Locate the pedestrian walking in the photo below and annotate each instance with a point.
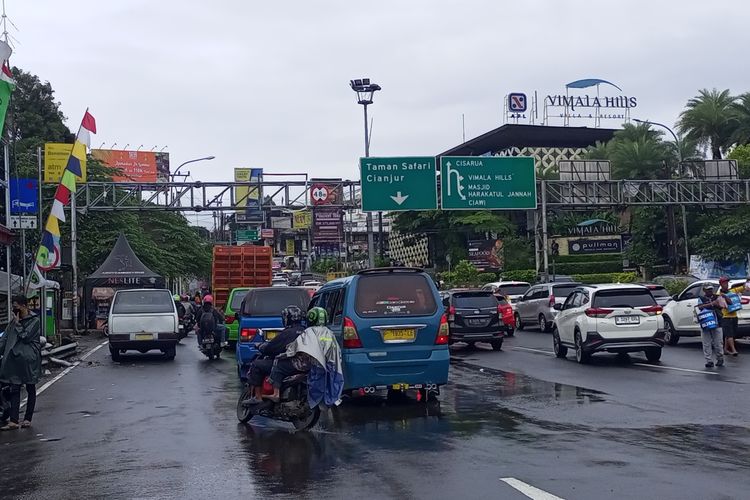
(733, 299)
(709, 309)
(21, 348)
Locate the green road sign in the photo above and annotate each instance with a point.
(246, 235)
(487, 183)
(400, 183)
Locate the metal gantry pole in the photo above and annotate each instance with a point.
(6, 162)
(74, 256)
(370, 236)
(544, 232)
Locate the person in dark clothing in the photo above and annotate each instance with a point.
(21, 365)
(292, 317)
(209, 314)
(711, 334)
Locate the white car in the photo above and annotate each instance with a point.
(279, 282)
(679, 318)
(609, 318)
(513, 290)
(312, 283)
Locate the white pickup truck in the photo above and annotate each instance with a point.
(142, 320)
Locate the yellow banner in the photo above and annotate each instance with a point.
(290, 247)
(56, 159)
(302, 219)
(246, 198)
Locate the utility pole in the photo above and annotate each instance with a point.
(74, 256)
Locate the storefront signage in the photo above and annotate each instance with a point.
(586, 246)
(598, 227)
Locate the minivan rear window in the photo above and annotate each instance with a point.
(237, 300)
(474, 300)
(632, 297)
(659, 291)
(394, 295)
(563, 290)
(513, 289)
(143, 302)
(270, 301)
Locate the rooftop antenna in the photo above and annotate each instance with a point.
(463, 126)
(6, 36)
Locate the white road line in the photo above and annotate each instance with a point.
(65, 371)
(528, 490)
(706, 372)
(549, 353)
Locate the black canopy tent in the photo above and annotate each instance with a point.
(122, 269)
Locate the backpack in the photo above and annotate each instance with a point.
(207, 322)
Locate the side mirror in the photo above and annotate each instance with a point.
(674, 297)
(557, 307)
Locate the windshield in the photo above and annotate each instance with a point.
(633, 297)
(513, 289)
(237, 300)
(270, 302)
(659, 292)
(143, 301)
(394, 295)
(563, 290)
(474, 300)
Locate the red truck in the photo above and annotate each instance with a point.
(243, 266)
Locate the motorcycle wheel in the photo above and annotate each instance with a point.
(244, 414)
(309, 421)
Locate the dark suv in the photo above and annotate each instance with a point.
(478, 316)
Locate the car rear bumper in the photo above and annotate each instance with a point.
(472, 335)
(232, 331)
(595, 343)
(360, 371)
(128, 342)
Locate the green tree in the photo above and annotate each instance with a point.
(741, 153)
(741, 129)
(636, 152)
(708, 119)
(723, 235)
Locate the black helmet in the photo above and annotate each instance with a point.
(292, 315)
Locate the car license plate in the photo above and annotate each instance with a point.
(271, 335)
(144, 336)
(627, 320)
(403, 335)
(477, 322)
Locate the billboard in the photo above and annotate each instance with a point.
(281, 222)
(24, 196)
(327, 225)
(302, 219)
(56, 159)
(326, 192)
(135, 166)
(247, 198)
(487, 255)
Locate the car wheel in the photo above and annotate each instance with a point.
(519, 323)
(560, 350)
(653, 355)
(170, 352)
(497, 345)
(115, 353)
(543, 325)
(511, 332)
(581, 356)
(671, 337)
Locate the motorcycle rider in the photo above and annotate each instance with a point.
(292, 317)
(180, 308)
(209, 320)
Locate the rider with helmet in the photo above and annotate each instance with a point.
(210, 320)
(180, 307)
(292, 318)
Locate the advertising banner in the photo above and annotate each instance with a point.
(327, 225)
(24, 196)
(302, 219)
(290, 247)
(712, 269)
(135, 166)
(266, 233)
(326, 192)
(281, 222)
(247, 198)
(328, 250)
(56, 159)
(591, 246)
(487, 255)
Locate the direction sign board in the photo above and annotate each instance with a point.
(398, 183)
(246, 235)
(487, 182)
(24, 196)
(23, 222)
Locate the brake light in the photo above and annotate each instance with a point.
(248, 334)
(452, 313)
(597, 312)
(442, 335)
(745, 300)
(652, 310)
(506, 313)
(351, 337)
(552, 301)
(229, 320)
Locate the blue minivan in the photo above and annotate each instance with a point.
(259, 319)
(392, 330)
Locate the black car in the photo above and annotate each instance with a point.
(477, 316)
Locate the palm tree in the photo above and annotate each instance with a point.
(708, 118)
(741, 109)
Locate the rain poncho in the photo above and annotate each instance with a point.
(22, 352)
(325, 381)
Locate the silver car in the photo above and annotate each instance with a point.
(536, 306)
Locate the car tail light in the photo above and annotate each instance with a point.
(552, 301)
(351, 337)
(652, 310)
(443, 331)
(744, 300)
(248, 334)
(229, 320)
(452, 313)
(505, 311)
(597, 312)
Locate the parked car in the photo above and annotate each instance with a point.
(555, 278)
(660, 293)
(679, 319)
(234, 303)
(511, 290)
(143, 320)
(260, 320)
(476, 316)
(392, 329)
(536, 306)
(609, 318)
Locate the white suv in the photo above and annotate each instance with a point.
(612, 318)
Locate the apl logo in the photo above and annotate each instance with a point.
(517, 102)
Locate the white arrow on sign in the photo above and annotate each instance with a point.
(399, 199)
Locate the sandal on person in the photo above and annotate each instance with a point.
(10, 426)
(25, 424)
(273, 399)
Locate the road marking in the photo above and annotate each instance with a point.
(528, 490)
(542, 351)
(65, 371)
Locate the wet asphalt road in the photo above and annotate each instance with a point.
(149, 428)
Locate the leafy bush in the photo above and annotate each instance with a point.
(675, 286)
(528, 275)
(612, 266)
(324, 265)
(484, 278)
(591, 279)
(565, 259)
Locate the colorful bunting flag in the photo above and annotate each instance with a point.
(7, 84)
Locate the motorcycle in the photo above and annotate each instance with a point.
(210, 347)
(4, 403)
(292, 406)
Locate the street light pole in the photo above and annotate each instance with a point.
(177, 170)
(365, 91)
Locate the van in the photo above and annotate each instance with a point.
(392, 329)
(143, 320)
(231, 311)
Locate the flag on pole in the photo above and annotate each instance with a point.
(7, 84)
(48, 255)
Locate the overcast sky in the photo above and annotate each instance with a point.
(265, 84)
